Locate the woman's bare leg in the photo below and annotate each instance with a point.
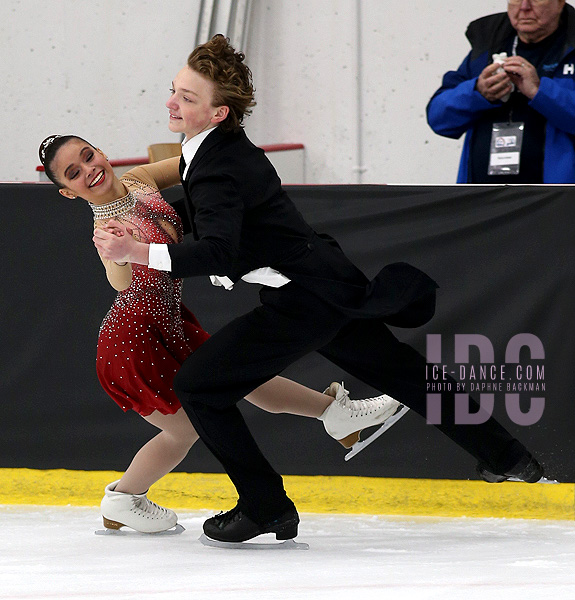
(166, 450)
(161, 454)
(280, 395)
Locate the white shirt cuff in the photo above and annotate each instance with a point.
(159, 257)
(222, 281)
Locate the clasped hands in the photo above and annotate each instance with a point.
(494, 85)
(114, 241)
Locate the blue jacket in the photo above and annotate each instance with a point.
(456, 105)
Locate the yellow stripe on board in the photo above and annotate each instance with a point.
(317, 494)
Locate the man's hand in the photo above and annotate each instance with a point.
(493, 85)
(523, 74)
(115, 242)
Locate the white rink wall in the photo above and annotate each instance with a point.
(97, 68)
(102, 69)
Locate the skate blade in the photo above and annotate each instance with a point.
(362, 444)
(287, 545)
(542, 480)
(173, 531)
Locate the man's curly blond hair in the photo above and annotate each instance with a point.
(233, 87)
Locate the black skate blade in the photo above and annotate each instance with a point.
(287, 545)
(173, 531)
(362, 444)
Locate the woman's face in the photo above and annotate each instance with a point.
(84, 171)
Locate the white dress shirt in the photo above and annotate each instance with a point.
(159, 257)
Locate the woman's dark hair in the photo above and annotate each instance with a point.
(48, 149)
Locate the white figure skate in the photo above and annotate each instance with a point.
(136, 512)
(344, 419)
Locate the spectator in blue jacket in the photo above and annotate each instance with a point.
(518, 113)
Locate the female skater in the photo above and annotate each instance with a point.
(148, 333)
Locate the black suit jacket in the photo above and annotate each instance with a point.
(242, 220)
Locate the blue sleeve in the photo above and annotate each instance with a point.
(556, 102)
(456, 104)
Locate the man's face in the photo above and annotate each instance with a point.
(190, 104)
(534, 20)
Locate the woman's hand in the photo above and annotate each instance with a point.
(115, 242)
(111, 226)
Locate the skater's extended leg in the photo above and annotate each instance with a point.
(343, 417)
(281, 395)
(368, 350)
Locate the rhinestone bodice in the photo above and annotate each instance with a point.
(152, 220)
(147, 333)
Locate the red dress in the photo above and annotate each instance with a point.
(148, 332)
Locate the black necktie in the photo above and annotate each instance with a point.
(182, 166)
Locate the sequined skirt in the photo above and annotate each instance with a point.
(143, 340)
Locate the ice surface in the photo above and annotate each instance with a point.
(52, 552)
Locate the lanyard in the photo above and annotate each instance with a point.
(513, 53)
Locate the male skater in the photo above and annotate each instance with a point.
(313, 298)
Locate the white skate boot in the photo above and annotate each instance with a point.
(137, 512)
(344, 419)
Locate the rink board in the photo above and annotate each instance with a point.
(341, 495)
(504, 258)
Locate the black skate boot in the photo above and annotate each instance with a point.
(235, 526)
(527, 469)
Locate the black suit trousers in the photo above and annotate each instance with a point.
(290, 323)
